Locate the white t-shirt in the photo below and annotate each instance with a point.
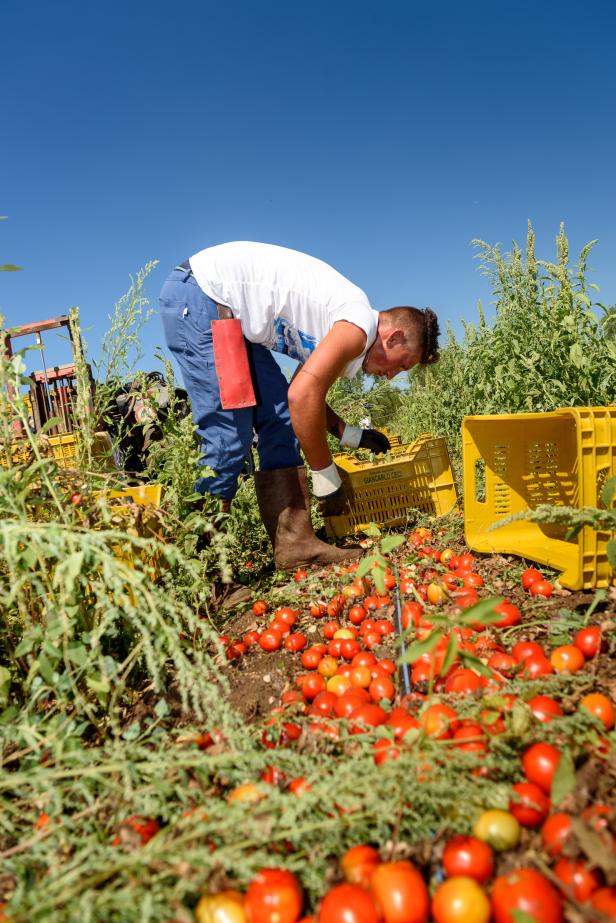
(286, 300)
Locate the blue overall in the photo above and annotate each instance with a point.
(226, 435)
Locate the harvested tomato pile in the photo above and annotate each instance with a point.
(479, 687)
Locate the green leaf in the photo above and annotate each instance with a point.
(450, 653)
(45, 669)
(563, 780)
(161, 709)
(5, 684)
(577, 356)
(365, 565)
(609, 489)
(422, 647)
(611, 553)
(378, 575)
(484, 611)
(24, 647)
(372, 530)
(9, 267)
(474, 663)
(54, 421)
(78, 653)
(390, 542)
(521, 916)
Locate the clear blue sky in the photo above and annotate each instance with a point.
(380, 137)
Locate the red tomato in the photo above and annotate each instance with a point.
(402, 723)
(251, 637)
(530, 576)
(274, 896)
(295, 642)
(467, 738)
(278, 625)
(437, 719)
(330, 628)
(556, 831)
(287, 615)
(324, 703)
(535, 666)
(502, 663)
(539, 762)
(567, 658)
(357, 614)
(466, 562)
(466, 855)
(541, 588)
(318, 610)
(384, 750)
(460, 900)
(367, 716)
(472, 580)
(578, 876)
(384, 627)
(311, 658)
(600, 707)
(372, 639)
(358, 863)
(589, 640)
(529, 892)
(146, 827)
(604, 900)
(463, 682)
(270, 640)
(529, 805)
(260, 607)
(300, 575)
(544, 708)
(400, 892)
(525, 649)
(348, 903)
(347, 704)
(511, 615)
(382, 688)
(311, 685)
(411, 614)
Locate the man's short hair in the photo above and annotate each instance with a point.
(420, 324)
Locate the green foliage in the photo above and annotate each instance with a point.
(544, 349)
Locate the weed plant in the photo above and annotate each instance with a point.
(544, 349)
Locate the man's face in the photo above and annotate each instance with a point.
(388, 357)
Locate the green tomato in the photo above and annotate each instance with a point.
(499, 829)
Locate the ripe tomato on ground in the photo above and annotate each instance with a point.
(530, 576)
(527, 891)
(539, 763)
(358, 863)
(578, 876)
(556, 831)
(541, 588)
(260, 607)
(270, 640)
(544, 708)
(529, 804)
(400, 892)
(510, 615)
(589, 640)
(460, 900)
(567, 658)
(600, 707)
(466, 855)
(348, 903)
(604, 900)
(274, 896)
(437, 720)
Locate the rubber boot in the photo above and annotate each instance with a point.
(284, 505)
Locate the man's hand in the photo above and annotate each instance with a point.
(333, 504)
(374, 441)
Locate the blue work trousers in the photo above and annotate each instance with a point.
(226, 435)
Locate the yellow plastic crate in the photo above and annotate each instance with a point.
(143, 495)
(514, 462)
(419, 477)
(63, 448)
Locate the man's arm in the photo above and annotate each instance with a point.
(308, 390)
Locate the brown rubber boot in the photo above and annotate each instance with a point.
(285, 510)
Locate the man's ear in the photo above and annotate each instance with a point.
(395, 337)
